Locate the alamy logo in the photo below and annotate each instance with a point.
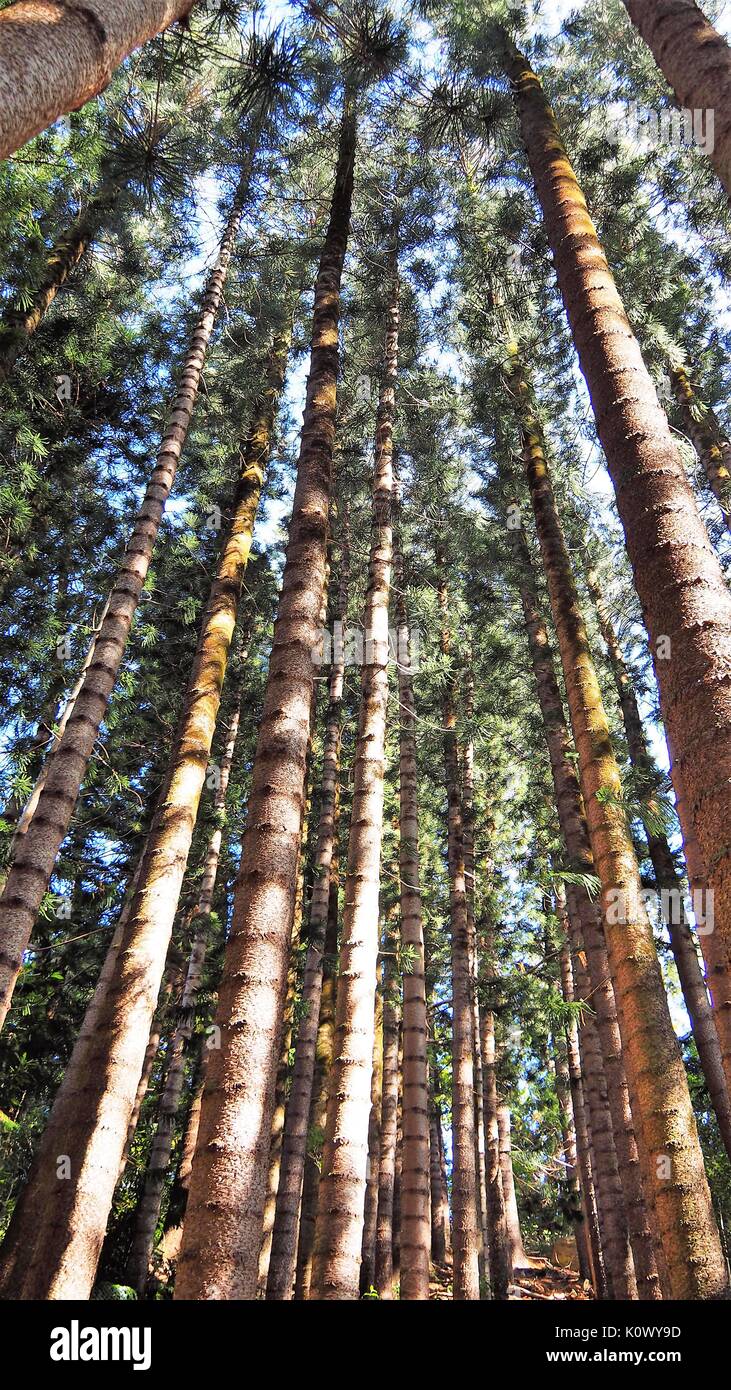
(77, 1343)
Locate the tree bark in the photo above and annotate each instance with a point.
(56, 56)
(336, 1268)
(36, 852)
(685, 601)
(389, 1115)
(710, 443)
(696, 62)
(219, 1258)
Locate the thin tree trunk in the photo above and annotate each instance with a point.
(294, 1144)
(586, 1176)
(415, 1228)
(17, 326)
(673, 1168)
(336, 1267)
(668, 880)
(219, 1258)
(468, 842)
(149, 1208)
(572, 820)
(70, 1237)
(711, 444)
(571, 1160)
(441, 1243)
(389, 1114)
(500, 1267)
(512, 1219)
(465, 1230)
(685, 601)
(696, 62)
(35, 854)
(54, 58)
(367, 1277)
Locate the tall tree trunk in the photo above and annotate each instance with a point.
(367, 1278)
(441, 1239)
(54, 58)
(389, 1112)
(685, 600)
(500, 1268)
(70, 1237)
(294, 1144)
(219, 1258)
(35, 854)
(586, 1176)
(173, 1234)
(512, 1219)
(668, 880)
(318, 1105)
(157, 1166)
(624, 1163)
(673, 1168)
(467, 760)
(415, 1229)
(17, 326)
(465, 1230)
(696, 62)
(577, 1206)
(336, 1267)
(711, 444)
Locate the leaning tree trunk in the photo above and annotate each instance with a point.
(673, 1167)
(336, 1265)
(696, 62)
(69, 1238)
(54, 58)
(627, 1218)
(576, 1084)
(220, 1253)
(709, 440)
(17, 325)
(415, 1231)
(668, 880)
(35, 854)
(162, 1145)
(294, 1143)
(465, 1230)
(516, 1251)
(685, 600)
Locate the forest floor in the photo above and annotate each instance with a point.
(539, 1280)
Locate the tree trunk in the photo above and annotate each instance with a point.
(586, 1176)
(367, 1278)
(685, 600)
(668, 880)
(500, 1268)
(336, 1267)
(98, 1115)
(512, 1220)
(389, 1114)
(157, 1166)
(465, 1230)
(711, 444)
(54, 58)
(294, 1144)
(219, 1258)
(696, 62)
(467, 761)
(415, 1232)
(441, 1242)
(17, 326)
(35, 854)
(674, 1169)
(576, 1204)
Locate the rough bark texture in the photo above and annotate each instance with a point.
(294, 1144)
(679, 580)
(667, 878)
(35, 853)
(370, 1205)
(336, 1269)
(465, 1229)
(441, 1243)
(673, 1166)
(501, 1272)
(415, 1230)
(223, 1228)
(159, 1160)
(586, 1177)
(55, 55)
(99, 1114)
(512, 1219)
(696, 62)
